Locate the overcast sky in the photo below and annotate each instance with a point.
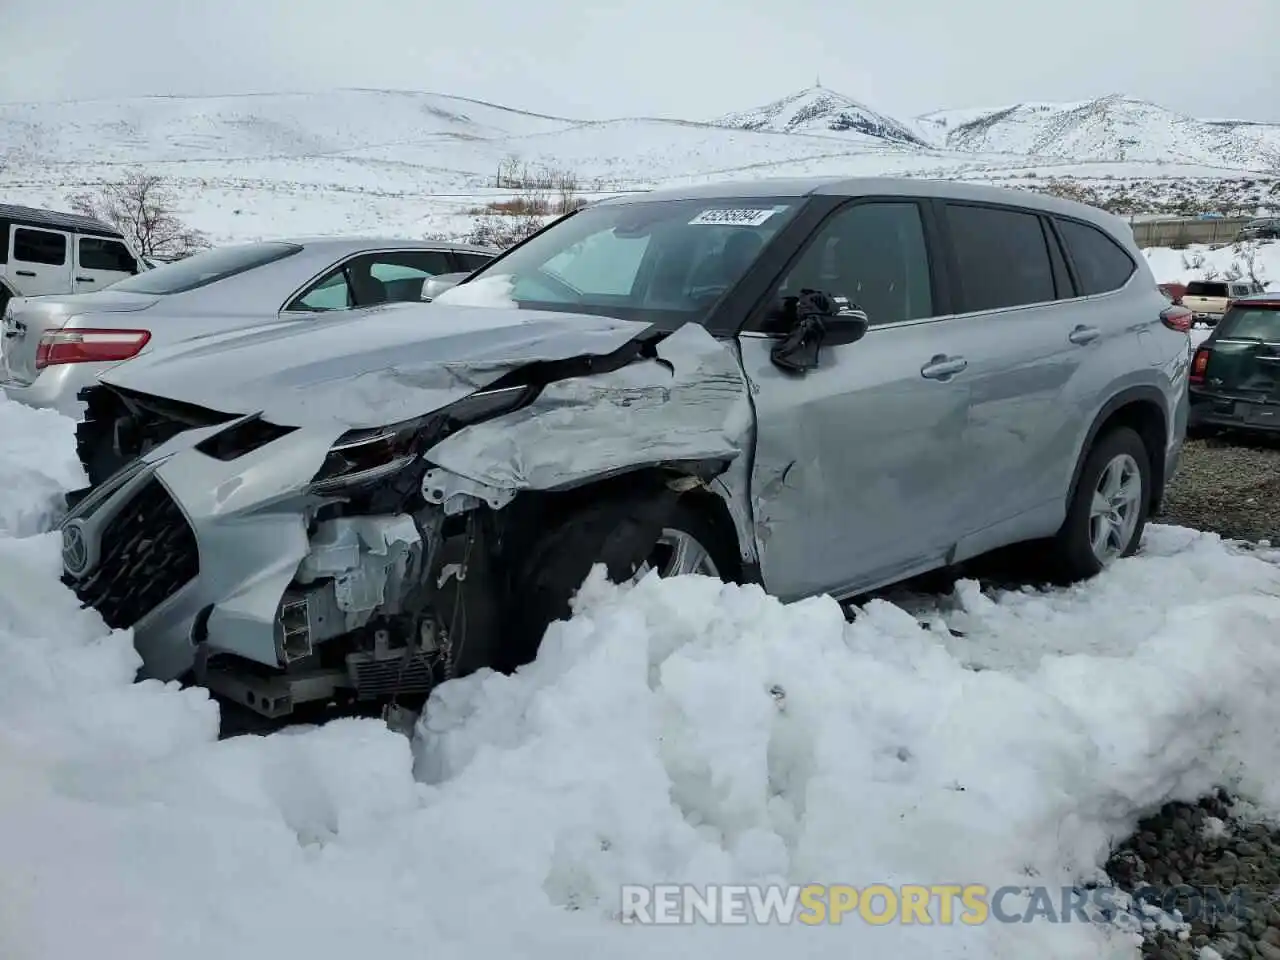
(693, 59)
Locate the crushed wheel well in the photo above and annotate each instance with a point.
(536, 510)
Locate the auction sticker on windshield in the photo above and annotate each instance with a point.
(737, 218)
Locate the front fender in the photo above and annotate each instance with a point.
(689, 403)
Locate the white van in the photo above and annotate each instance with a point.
(42, 251)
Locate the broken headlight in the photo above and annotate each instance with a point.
(360, 457)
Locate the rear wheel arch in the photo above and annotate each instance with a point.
(1141, 409)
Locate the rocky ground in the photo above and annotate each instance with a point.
(1229, 485)
(1209, 846)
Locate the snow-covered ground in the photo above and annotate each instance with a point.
(679, 731)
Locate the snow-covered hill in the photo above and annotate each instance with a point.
(412, 163)
(818, 110)
(1115, 128)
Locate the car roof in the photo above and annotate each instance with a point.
(1260, 299)
(53, 218)
(767, 187)
(344, 245)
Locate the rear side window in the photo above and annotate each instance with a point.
(1250, 324)
(1102, 265)
(1002, 257)
(205, 268)
(4, 241)
(1205, 288)
(98, 253)
(39, 246)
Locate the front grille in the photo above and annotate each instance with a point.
(146, 554)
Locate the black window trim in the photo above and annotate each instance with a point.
(1134, 269)
(799, 235)
(342, 264)
(1056, 241)
(67, 239)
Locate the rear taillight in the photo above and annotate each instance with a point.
(1199, 363)
(89, 346)
(1176, 318)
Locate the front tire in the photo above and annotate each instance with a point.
(630, 535)
(1109, 509)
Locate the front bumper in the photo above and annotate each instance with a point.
(191, 551)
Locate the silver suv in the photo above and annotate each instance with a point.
(822, 386)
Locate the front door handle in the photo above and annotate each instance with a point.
(942, 367)
(1082, 335)
(25, 273)
(84, 279)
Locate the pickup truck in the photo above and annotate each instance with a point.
(1208, 299)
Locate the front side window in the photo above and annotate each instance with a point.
(373, 278)
(662, 260)
(471, 261)
(873, 254)
(99, 253)
(205, 268)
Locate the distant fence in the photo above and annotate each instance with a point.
(1183, 232)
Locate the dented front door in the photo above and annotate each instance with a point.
(857, 464)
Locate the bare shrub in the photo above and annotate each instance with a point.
(142, 206)
(1246, 261)
(502, 232)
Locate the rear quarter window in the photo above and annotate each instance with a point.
(1102, 265)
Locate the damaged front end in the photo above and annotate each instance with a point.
(281, 566)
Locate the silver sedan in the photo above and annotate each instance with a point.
(54, 346)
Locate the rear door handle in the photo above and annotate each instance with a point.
(84, 279)
(1082, 335)
(25, 273)
(942, 367)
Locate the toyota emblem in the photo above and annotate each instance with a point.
(75, 551)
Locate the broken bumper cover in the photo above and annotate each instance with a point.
(186, 548)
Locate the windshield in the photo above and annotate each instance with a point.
(655, 260)
(204, 268)
(1251, 324)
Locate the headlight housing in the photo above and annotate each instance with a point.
(361, 457)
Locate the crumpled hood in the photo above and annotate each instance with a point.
(366, 368)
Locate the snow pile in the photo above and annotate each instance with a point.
(680, 731)
(37, 463)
